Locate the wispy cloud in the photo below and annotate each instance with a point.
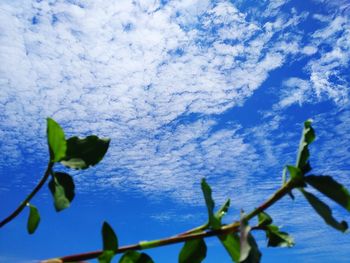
(125, 69)
(327, 70)
(157, 76)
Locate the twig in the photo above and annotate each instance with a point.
(23, 204)
(188, 235)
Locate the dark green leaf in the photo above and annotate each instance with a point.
(331, 188)
(214, 222)
(232, 245)
(82, 153)
(307, 137)
(33, 219)
(223, 210)
(254, 253)
(106, 256)
(193, 251)
(56, 141)
(324, 211)
(264, 219)
(110, 240)
(277, 238)
(296, 175)
(135, 257)
(62, 188)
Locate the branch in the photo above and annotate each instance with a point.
(188, 235)
(23, 204)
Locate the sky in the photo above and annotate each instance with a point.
(186, 90)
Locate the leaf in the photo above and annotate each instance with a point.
(135, 257)
(223, 210)
(249, 251)
(324, 211)
(308, 136)
(254, 254)
(56, 141)
(193, 251)
(264, 219)
(330, 188)
(62, 188)
(296, 175)
(230, 241)
(244, 244)
(232, 245)
(110, 240)
(277, 238)
(33, 219)
(82, 153)
(106, 256)
(214, 222)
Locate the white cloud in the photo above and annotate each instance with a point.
(327, 69)
(151, 76)
(132, 72)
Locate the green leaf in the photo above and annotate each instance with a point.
(254, 253)
(214, 222)
(331, 188)
(82, 153)
(193, 251)
(135, 257)
(106, 256)
(264, 219)
(223, 210)
(33, 219)
(324, 211)
(296, 175)
(231, 243)
(62, 188)
(110, 240)
(277, 238)
(244, 244)
(308, 136)
(56, 141)
(249, 251)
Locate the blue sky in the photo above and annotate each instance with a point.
(185, 90)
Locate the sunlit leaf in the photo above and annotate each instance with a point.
(222, 210)
(231, 243)
(56, 141)
(244, 244)
(214, 222)
(254, 255)
(82, 153)
(296, 175)
(264, 219)
(62, 188)
(324, 211)
(33, 219)
(308, 136)
(135, 257)
(249, 251)
(106, 256)
(331, 188)
(193, 251)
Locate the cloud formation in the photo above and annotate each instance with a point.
(160, 79)
(156, 76)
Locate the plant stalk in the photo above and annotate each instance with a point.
(186, 236)
(23, 204)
